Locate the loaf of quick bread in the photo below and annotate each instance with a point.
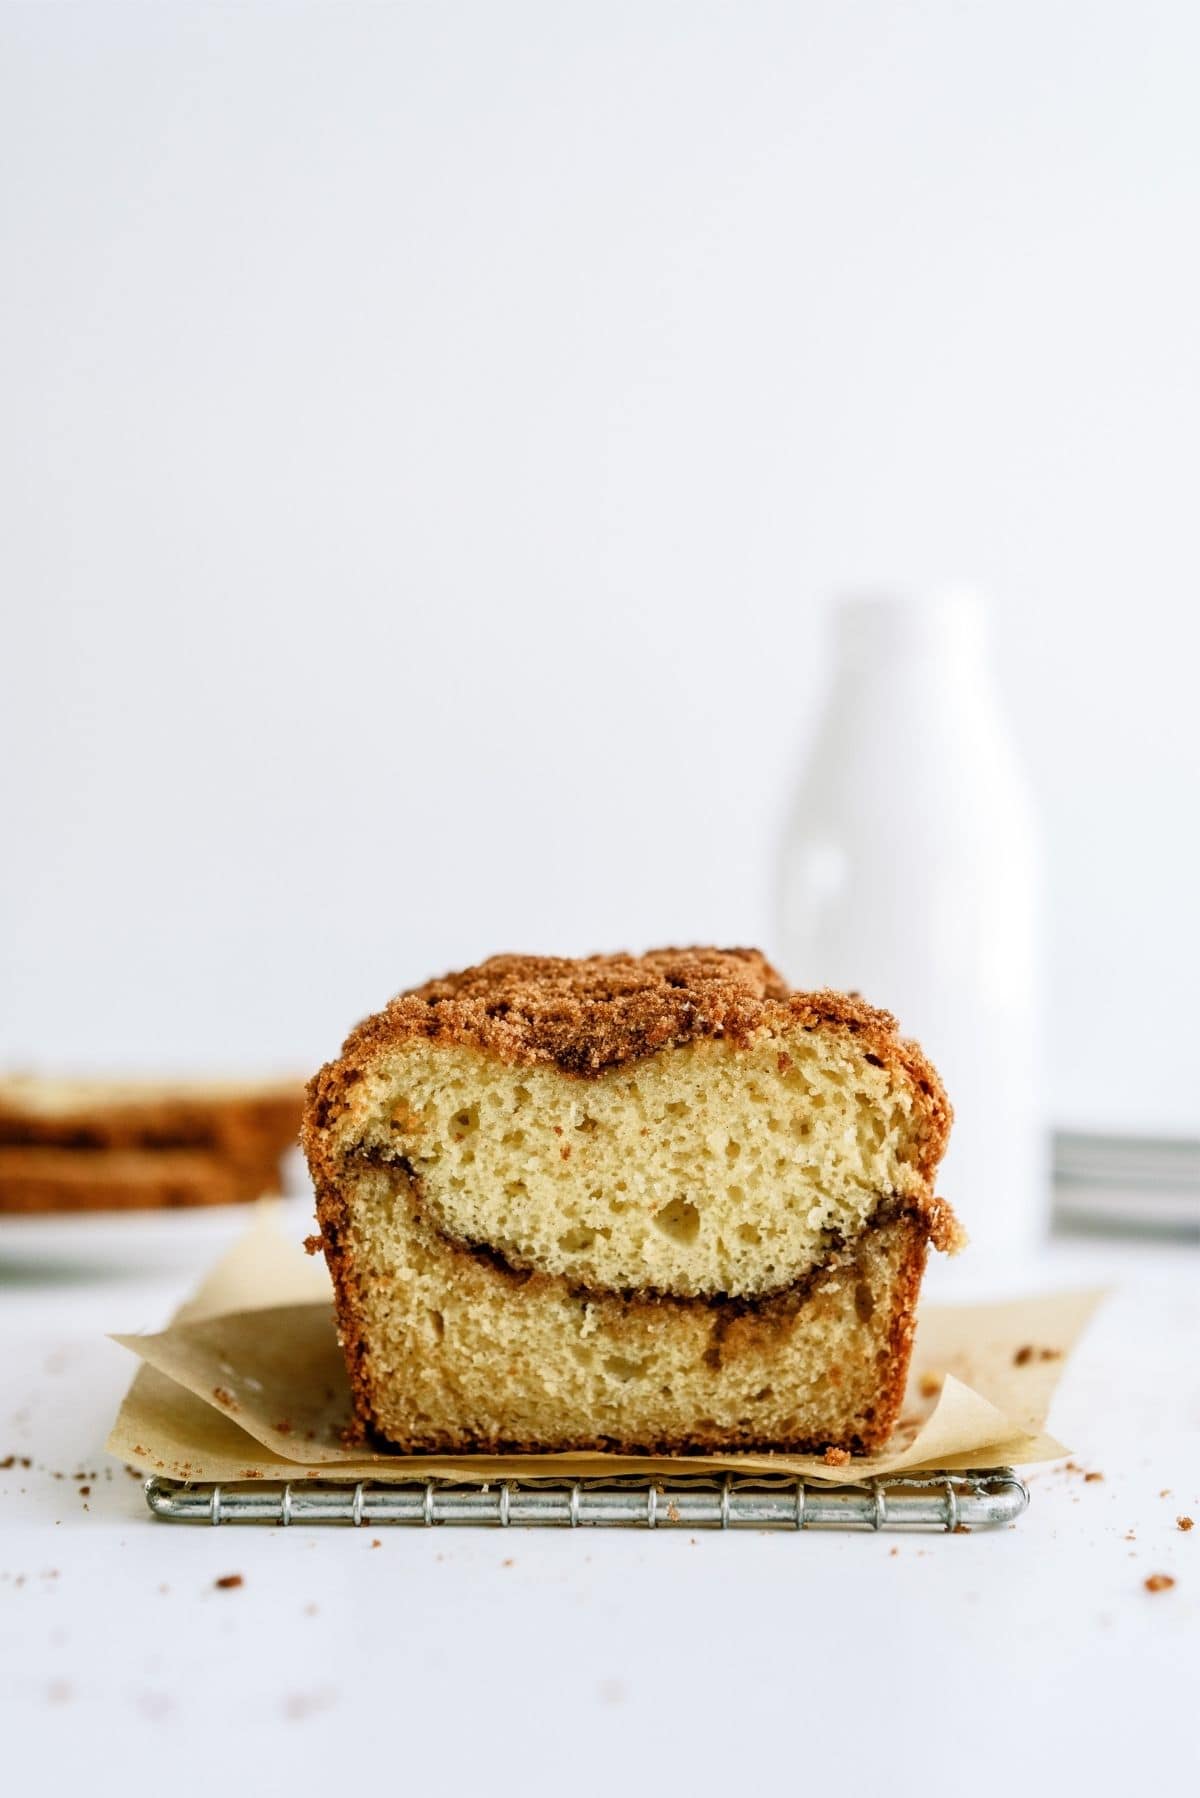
(648, 1203)
(69, 1144)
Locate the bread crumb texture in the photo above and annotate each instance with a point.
(651, 1202)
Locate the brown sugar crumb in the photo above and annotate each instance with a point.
(85, 1492)
(1050, 1354)
(1089, 1477)
(836, 1457)
(283, 1426)
(1184, 1523)
(226, 1582)
(375, 1542)
(1023, 1356)
(1165, 1493)
(893, 1551)
(314, 1245)
(1158, 1582)
(224, 1397)
(961, 1529)
(509, 1562)
(929, 1385)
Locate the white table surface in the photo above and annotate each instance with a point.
(1027, 1659)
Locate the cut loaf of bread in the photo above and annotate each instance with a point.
(655, 1203)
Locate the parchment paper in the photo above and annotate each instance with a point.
(248, 1383)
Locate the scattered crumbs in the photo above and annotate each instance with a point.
(1049, 1354)
(673, 1512)
(224, 1397)
(961, 1529)
(929, 1385)
(1089, 1477)
(284, 1426)
(1129, 1536)
(133, 1472)
(691, 1542)
(1158, 1582)
(375, 1542)
(1024, 1355)
(252, 1473)
(836, 1457)
(893, 1551)
(509, 1562)
(313, 1245)
(1184, 1523)
(299, 1705)
(227, 1581)
(1165, 1493)
(15, 1461)
(85, 1492)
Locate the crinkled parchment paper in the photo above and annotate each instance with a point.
(248, 1383)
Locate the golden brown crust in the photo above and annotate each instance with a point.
(243, 1121)
(606, 1011)
(106, 1145)
(40, 1179)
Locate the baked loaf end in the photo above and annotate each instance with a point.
(104, 1144)
(650, 1203)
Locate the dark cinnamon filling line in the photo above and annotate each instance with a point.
(778, 1304)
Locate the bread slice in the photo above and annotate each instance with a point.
(650, 1203)
(95, 1144)
(38, 1178)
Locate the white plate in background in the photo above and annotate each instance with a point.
(114, 1242)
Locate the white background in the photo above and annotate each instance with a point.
(431, 435)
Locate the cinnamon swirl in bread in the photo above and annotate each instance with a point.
(656, 1203)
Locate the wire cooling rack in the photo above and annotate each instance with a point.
(926, 1501)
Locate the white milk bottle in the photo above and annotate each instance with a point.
(910, 875)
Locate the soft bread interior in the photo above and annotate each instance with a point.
(703, 1170)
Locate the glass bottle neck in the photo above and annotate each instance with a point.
(881, 633)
